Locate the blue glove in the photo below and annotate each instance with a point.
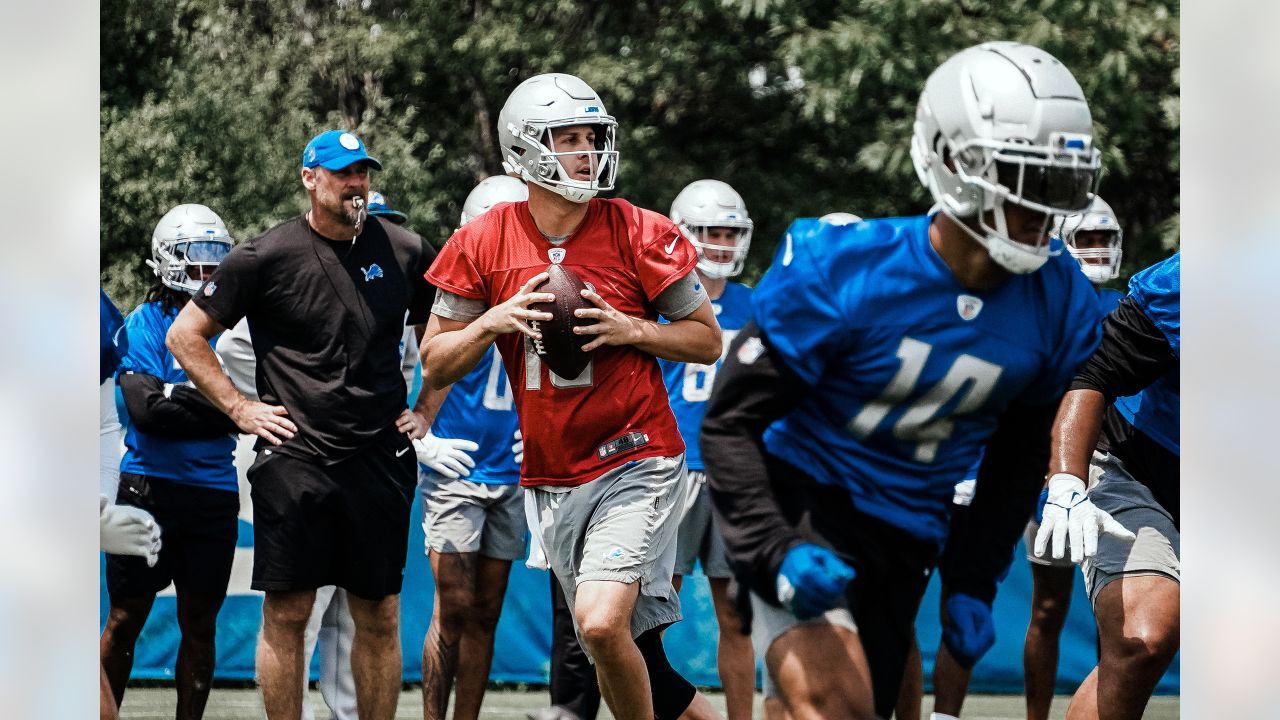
(812, 580)
(970, 631)
(1044, 498)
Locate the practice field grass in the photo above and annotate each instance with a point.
(156, 703)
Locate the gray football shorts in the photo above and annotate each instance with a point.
(619, 527)
(769, 622)
(461, 516)
(1157, 551)
(699, 537)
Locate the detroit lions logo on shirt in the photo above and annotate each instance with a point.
(372, 272)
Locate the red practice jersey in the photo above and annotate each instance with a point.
(629, 255)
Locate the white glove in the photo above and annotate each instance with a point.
(446, 456)
(1068, 512)
(518, 448)
(127, 530)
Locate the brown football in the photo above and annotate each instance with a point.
(559, 347)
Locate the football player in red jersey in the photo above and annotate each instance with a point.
(602, 453)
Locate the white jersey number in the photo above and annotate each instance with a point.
(533, 371)
(699, 378)
(497, 389)
(919, 423)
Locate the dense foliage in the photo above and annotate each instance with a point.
(804, 107)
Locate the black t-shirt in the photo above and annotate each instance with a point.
(326, 319)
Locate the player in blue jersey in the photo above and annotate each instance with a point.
(122, 529)
(714, 218)
(1095, 239)
(177, 465)
(1113, 497)
(884, 357)
(473, 512)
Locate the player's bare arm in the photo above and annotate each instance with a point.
(1075, 432)
(451, 348)
(188, 340)
(694, 338)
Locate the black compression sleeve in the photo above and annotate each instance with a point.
(746, 397)
(1009, 481)
(1133, 354)
(184, 414)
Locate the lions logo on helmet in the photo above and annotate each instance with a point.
(491, 191)
(1000, 123)
(706, 204)
(188, 243)
(1094, 239)
(536, 107)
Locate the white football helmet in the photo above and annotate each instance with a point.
(188, 237)
(1015, 125)
(840, 218)
(490, 192)
(705, 204)
(1099, 264)
(550, 101)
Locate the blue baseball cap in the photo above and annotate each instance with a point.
(335, 150)
(378, 206)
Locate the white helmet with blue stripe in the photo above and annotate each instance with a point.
(490, 192)
(1099, 257)
(536, 107)
(188, 243)
(706, 204)
(1005, 123)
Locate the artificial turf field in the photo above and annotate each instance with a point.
(157, 703)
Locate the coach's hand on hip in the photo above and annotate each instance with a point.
(266, 421)
(412, 423)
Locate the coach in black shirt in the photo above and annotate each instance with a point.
(327, 295)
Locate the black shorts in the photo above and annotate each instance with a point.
(345, 524)
(197, 532)
(893, 569)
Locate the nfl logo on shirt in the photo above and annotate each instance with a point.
(556, 255)
(968, 306)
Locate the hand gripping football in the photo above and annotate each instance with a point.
(559, 347)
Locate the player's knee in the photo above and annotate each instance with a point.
(486, 611)
(602, 628)
(457, 606)
(1049, 613)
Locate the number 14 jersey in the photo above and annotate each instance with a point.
(909, 370)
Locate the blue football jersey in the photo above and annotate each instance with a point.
(689, 384)
(909, 370)
(112, 342)
(1156, 410)
(203, 462)
(480, 408)
(1108, 299)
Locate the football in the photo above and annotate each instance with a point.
(559, 347)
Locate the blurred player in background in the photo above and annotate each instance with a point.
(328, 295)
(714, 218)
(122, 529)
(603, 444)
(1113, 493)
(177, 465)
(473, 512)
(884, 357)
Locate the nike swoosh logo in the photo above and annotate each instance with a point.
(672, 246)
(400, 453)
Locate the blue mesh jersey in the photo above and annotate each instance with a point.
(1155, 410)
(479, 408)
(689, 384)
(112, 342)
(909, 370)
(203, 462)
(1108, 299)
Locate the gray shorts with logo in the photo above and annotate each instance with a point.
(460, 516)
(699, 537)
(620, 527)
(1157, 551)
